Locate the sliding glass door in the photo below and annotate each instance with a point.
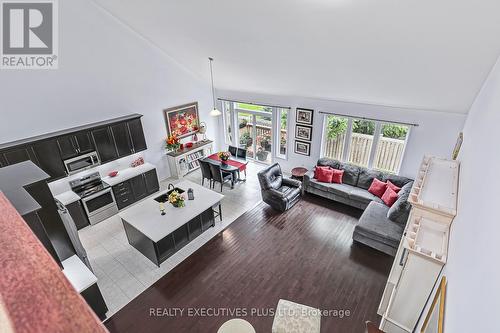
(258, 128)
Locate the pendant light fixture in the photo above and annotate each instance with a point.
(214, 112)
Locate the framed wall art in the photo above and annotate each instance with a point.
(303, 132)
(182, 120)
(302, 148)
(304, 116)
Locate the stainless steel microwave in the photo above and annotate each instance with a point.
(82, 162)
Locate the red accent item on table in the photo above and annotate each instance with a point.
(389, 197)
(113, 173)
(239, 165)
(393, 187)
(319, 167)
(189, 145)
(325, 175)
(337, 176)
(377, 188)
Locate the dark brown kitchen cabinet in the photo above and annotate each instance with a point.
(122, 138)
(83, 140)
(19, 154)
(75, 144)
(78, 215)
(104, 144)
(138, 185)
(135, 189)
(36, 225)
(151, 180)
(112, 139)
(137, 135)
(49, 159)
(67, 147)
(3, 162)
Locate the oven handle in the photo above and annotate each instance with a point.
(98, 194)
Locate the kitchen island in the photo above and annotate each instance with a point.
(159, 236)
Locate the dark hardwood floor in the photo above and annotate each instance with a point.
(305, 255)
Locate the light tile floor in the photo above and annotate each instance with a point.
(123, 273)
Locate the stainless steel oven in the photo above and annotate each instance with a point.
(82, 162)
(100, 206)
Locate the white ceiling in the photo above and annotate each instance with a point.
(430, 54)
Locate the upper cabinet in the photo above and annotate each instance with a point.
(129, 137)
(75, 144)
(18, 154)
(104, 143)
(111, 139)
(49, 159)
(122, 139)
(137, 135)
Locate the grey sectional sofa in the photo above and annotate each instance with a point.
(379, 227)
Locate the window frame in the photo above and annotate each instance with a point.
(277, 136)
(376, 139)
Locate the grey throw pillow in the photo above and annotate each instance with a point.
(400, 210)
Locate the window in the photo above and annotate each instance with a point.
(367, 143)
(391, 146)
(282, 132)
(361, 143)
(335, 137)
(228, 120)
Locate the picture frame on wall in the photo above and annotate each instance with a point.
(304, 116)
(302, 148)
(303, 132)
(182, 120)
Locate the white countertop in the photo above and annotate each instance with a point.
(67, 197)
(145, 216)
(80, 276)
(128, 173)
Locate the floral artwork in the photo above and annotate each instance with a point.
(182, 120)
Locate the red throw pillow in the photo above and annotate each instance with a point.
(337, 176)
(325, 175)
(389, 197)
(393, 187)
(377, 188)
(319, 167)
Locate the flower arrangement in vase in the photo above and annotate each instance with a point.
(223, 156)
(177, 199)
(172, 143)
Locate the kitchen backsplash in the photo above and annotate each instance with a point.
(62, 185)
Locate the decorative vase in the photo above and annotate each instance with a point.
(223, 162)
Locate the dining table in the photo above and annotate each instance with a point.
(233, 166)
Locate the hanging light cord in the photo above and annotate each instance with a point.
(212, 77)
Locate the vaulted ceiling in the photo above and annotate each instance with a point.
(416, 53)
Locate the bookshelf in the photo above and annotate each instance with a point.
(185, 161)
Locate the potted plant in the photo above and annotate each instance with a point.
(261, 154)
(246, 140)
(172, 143)
(265, 142)
(223, 156)
(177, 199)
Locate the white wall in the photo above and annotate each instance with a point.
(436, 134)
(105, 71)
(473, 271)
